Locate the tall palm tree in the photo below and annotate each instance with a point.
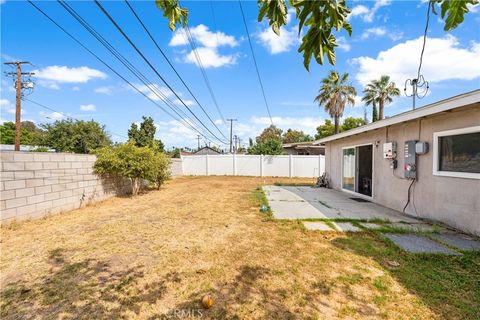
(370, 98)
(381, 91)
(334, 94)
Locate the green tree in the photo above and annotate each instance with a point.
(270, 133)
(30, 134)
(320, 18)
(267, 147)
(334, 94)
(325, 130)
(144, 136)
(75, 136)
(380, 91)
(291, 136)
(135, 163)
(351, 123)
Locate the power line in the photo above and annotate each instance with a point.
(173, 68)
(108, 66)
(193, 45)
(255, 62)
(149, 85)
(63, 114)
(185, 123)
(151, 66)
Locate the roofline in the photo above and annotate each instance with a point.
(430, 109)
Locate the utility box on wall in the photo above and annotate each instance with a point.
(390, 150)
(410, 160)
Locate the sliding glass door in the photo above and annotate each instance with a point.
(357, 173)
(348, 171)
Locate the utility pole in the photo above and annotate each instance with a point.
(198, 138)
(19, 85)
(231, 130)
(235, 139)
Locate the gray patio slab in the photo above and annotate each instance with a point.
(329, 203)
(346, 227)
(460, 241)
(293, 210)
(317, 226)
(418, 244)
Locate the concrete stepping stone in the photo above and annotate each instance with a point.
(295, 210)
(317, 226)
(346, 227)
(460, 241)
(418, 244)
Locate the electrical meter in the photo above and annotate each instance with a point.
(410, 160)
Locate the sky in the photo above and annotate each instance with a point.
(386, 39)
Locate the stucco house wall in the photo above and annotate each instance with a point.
(454, 201)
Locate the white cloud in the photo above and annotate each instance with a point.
(473, 8)
(284, 122)
(210, 58)
(208, 49)
(108, 90)
(64, 74)
(53, 116)
(88, 107)
(48, 84)
(443, 59)
(5, 103)
(284, 42)
(152, 90)
(380, 32)
(204, 37)
(343, 44)
(76, 88)
(367, 14)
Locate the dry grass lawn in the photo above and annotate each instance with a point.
(154, 257)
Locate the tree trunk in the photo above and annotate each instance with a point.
(374, 112)
(380, 111)
(337, 126)
(135, 186)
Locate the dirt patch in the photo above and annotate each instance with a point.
(157, 254)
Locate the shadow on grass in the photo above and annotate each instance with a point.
(88, 289)
(448, 285)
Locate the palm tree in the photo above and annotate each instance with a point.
(334, 94)
(370, 98)
(381, 91)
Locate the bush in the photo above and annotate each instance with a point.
(135, 163)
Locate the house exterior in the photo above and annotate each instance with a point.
(206, 150)
(425, 162)
(303, 148)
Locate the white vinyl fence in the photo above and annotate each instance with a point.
(253, 165)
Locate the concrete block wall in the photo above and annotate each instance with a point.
(33, 184)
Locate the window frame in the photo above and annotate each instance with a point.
(436, 153)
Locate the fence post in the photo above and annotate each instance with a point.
(234, 164)
(206, 165)
(290, 166)
(261, 165)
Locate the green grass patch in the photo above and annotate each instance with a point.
(260, 200)
(449, 285)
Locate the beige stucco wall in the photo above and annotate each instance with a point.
(454, 201)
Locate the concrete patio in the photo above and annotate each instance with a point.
(416, 236)
(292, 202)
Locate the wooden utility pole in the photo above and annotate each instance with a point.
(18, 105)
(231, 130)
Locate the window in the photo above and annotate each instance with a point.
(456, 153)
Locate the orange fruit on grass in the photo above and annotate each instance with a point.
(207, 301)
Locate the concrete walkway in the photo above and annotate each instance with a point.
(303, 203)
(320, 203)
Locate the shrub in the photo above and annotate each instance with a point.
(135, 163)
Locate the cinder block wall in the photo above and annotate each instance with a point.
(34, 184)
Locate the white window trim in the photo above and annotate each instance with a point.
(436, 160)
